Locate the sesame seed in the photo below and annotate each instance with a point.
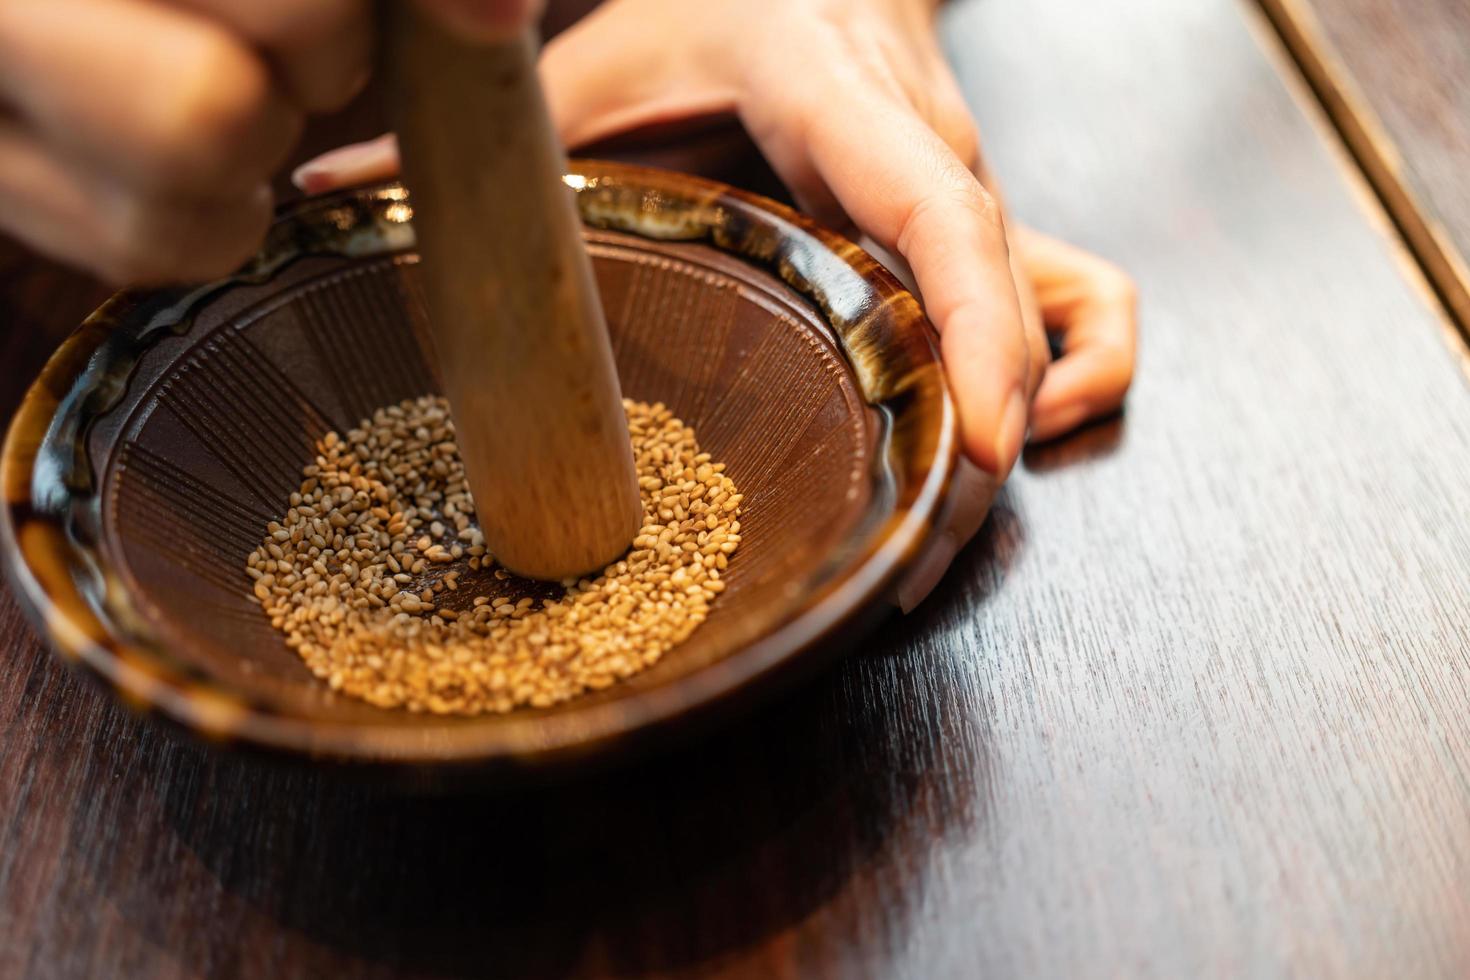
(343, 576)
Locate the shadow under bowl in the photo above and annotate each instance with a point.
(163, 436)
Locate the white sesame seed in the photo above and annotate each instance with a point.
(352, 603)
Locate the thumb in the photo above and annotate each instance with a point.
(616, 71)
(609, 74)
(479, 21)
(486, 21)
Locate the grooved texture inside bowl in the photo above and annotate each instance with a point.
(217, 423)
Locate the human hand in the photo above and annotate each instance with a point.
(1090, 305)
(855, 108)
(137, 137)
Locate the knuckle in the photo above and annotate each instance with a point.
(1114, 286)
(983, 203)
(955, 189)
(154, 242)
(975, 199)
(205, 124)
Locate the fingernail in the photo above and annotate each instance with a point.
(1012, 432)
(310, 177)
(323, 172)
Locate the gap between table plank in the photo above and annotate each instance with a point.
(1381, 159)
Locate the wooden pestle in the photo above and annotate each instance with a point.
(515, 315)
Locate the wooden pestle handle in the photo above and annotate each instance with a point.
(515, 315)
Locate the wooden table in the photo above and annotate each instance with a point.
(1196, 703)
(1395, 77)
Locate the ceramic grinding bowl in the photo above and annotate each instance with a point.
(168, 430)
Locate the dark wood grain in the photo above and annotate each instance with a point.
(1195, 703)
(1395, 77)
(1412, 62)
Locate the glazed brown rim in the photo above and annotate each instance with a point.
(62, 580)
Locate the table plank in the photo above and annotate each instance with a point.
(1395, 77)
(1193, 704)
(1251, 677)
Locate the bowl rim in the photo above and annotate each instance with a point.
(880, 329)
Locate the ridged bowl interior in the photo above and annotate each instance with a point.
(146, 461)
(219, 423)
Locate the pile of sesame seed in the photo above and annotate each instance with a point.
(379, 578)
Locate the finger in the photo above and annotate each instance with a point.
(1093, 306)
(322, 48)
(165, 241)
(791, 161)
(602, 79)
(43, 202)
(349, 166)
(954, 124)
(1034, 323)
(488, 21)
(598, 80)
(162, 97)
(912, 194)
(65, 211)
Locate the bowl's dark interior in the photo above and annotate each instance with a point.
(217, 424)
